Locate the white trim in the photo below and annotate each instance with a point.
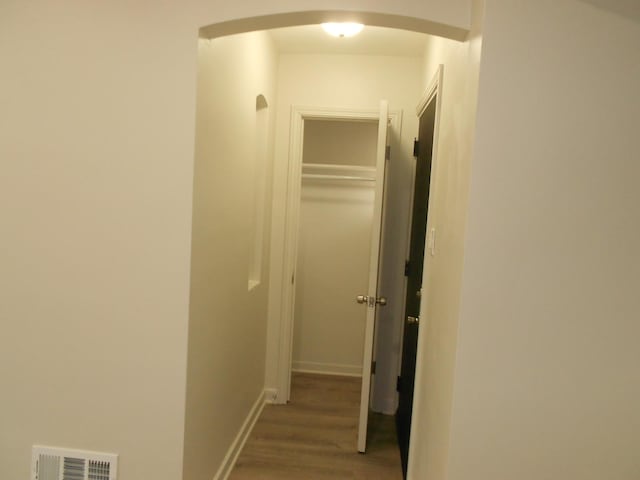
(364, 176)
(342, 169)
(294, 171)
(327, 368)
(420, 390)
(238, 443)
(388, 405)
(270, 395)
(434, 87)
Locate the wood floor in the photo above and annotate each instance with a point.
(314, 436)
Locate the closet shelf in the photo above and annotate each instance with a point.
(317, 176)
(331, 172)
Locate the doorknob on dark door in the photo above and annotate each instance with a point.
(382, 301)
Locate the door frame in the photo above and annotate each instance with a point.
(299, 114)
(433, 90)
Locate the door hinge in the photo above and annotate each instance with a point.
(387, 153)
(416, 147)
(373, 367)
(398, 383)
(407, 268)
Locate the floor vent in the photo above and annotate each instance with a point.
(50, 463)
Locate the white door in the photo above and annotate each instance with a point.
(371, 300)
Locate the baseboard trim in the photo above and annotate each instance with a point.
(270, 395)
(327, 368)
(387, 407)
(238, 443)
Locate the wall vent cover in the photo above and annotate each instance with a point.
(49, 463)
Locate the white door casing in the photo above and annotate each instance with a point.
(285, 284)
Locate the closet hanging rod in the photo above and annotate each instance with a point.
(316, 176)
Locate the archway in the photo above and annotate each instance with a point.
(217, 30)
(292, 19)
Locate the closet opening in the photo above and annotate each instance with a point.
(335, 205)
(336, 215)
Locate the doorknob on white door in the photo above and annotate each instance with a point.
(382, 301)
(362, 299)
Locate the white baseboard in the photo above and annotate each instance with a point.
(270, 395)
(238, 443)
(327, 368)
(387, 406)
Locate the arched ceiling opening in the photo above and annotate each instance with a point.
(293, 19)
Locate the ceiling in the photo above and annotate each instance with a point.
(626, 8)
(371, 41)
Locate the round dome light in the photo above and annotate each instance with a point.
(346, 29)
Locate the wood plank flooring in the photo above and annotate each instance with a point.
(314, 437)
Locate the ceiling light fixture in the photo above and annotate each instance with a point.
(346, 29)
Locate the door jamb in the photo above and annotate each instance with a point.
(434, 88)
(292, 210)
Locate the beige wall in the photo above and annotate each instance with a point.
(227, 322)
(96, 171)
(547, 383)
(340, 143)
(96, 141)
(448, 203)
(346, 81)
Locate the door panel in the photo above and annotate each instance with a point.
(414, 279)
(371, 298)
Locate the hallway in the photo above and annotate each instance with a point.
(314, 436)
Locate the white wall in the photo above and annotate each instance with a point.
(346, 81)
(448, 203)
(96, 141)
(227, 322)
(547, 383)
(339, 143)
(96, 165)
(97, 111)
(96, 171)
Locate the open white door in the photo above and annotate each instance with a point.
(371, 299)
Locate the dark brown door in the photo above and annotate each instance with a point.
(414, 279)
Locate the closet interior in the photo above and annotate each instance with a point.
(336, 211)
